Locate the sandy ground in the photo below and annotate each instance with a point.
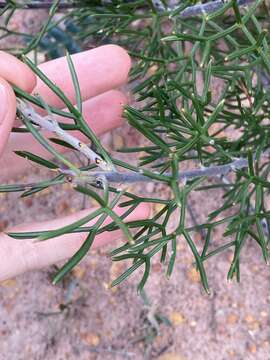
(83, 319)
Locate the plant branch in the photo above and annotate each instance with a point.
(133, 177)
(208, 8)
(46, 4)
(50, 124)
(130, 177)
(195, 10)
(183, 120)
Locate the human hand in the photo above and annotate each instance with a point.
(99, 71)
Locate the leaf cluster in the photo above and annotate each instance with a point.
(178, 62)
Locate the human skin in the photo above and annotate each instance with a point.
(100, 71)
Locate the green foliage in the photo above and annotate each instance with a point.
(180, 53)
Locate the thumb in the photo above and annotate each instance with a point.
(7, 112)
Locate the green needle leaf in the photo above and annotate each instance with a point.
(37, 159)
(76, 258)
(75, 82)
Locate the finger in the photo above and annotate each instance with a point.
(7, 112)
(16, 72)
(18, 256)
(98, 70)
(103, 113)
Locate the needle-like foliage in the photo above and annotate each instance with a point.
(182, 50)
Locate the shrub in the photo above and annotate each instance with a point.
(182, 50)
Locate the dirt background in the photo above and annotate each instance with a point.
(83, 319)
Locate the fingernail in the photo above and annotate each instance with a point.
(3, 103)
